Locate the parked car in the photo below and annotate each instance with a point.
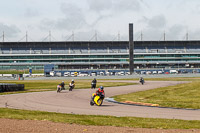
(66, 74)
(83, 74)
(154, 72)
(148, 72)
(160, 72)
(173, 71)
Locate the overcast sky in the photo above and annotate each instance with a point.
(107, 18)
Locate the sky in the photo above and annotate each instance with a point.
(58, 20)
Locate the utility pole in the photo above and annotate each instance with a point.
(164, 36)
(26, 36)
(73, 36)
(49, 36)
(95, 35)
(3, 37)
(187, 36)
(118, 36)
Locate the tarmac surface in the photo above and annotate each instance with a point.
(77, 102)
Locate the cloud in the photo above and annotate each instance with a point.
(145, 3)
(157, 25)
(127, 5)
(153, 27)
(91, 16)
(115, 6)
(30, 13)
(176, 32)
(100, 5)
(194, 35)
(73, 19)
(46, 24)
(157, 22)
(10, 30)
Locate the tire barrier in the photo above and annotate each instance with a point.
(4, 87)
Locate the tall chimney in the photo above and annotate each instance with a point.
(131, 47)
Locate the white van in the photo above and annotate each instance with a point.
(121, 73)
(74, 74)
(102, 73)
(59, 74)
(66, 74)
(52, 73)
(127, 73)
(83, 74)
(154, 72)
(93, 74)
(160, 72)
(148, 72)
(173, 71)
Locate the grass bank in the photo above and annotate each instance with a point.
(179, 96)
(20, 71)
(48, 85)
(162, 79)
(99, 120)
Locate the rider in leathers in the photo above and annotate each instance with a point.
(100, 91)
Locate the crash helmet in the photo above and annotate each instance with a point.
(72, 80)
(101, 87)
(62, 81)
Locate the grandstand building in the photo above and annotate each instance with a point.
(99, 55)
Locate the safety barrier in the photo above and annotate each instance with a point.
(4, 87)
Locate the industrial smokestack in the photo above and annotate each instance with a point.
(131, 47)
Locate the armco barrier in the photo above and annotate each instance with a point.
(4, 87)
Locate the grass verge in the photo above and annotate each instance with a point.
(26, 71)
(47, 85)
(99, 120)
(179, 96)
(162, 79)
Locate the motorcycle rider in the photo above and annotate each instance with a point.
(73, 81)
(71, 85)
(62, 85)
(141, 80)
(100, 91)
(93, 84)
(58, 88)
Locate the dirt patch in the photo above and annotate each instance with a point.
(139, 103)
(33, 126)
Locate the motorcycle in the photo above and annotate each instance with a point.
(71, 86)
(93, 85)
(98, 99)
(142, 82)
(59, 88)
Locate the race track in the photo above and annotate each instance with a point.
(77, 102)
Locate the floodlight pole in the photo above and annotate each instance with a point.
(26, 36)
(131, 47)
(3, 36)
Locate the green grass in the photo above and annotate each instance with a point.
(20, 71)
(46, 85)
(99, 120)
(162, 79)
(180, 96)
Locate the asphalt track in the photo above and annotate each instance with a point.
(77, 102)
